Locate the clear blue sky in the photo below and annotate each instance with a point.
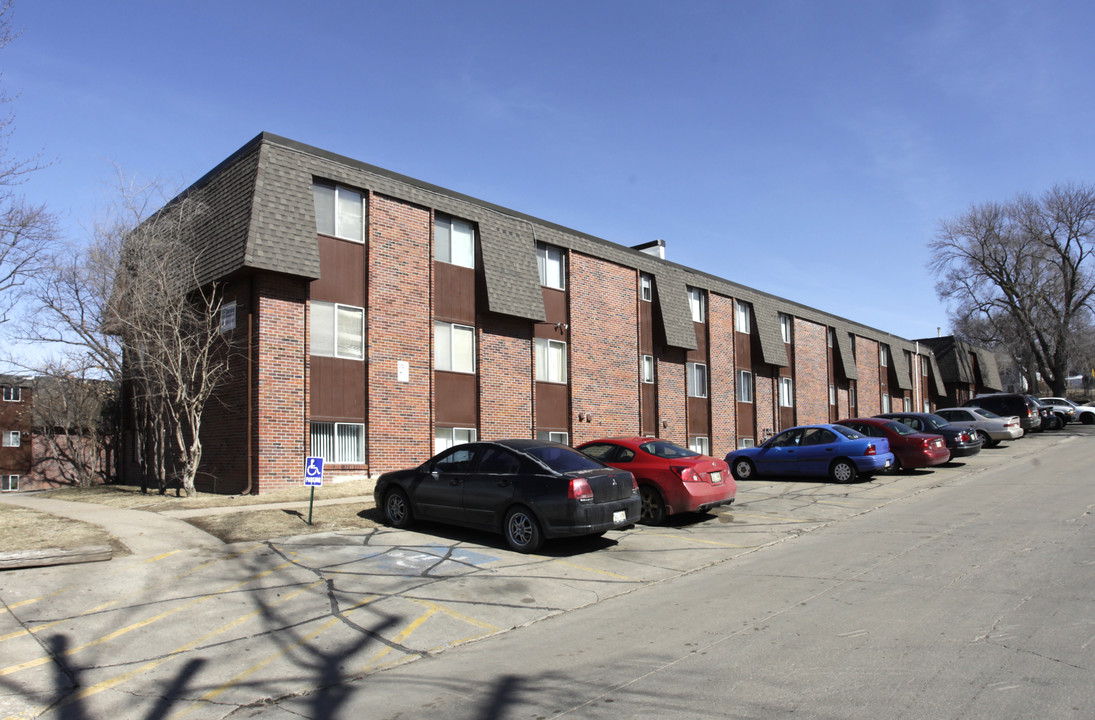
(806, 149)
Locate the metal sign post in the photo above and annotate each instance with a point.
(313, 478)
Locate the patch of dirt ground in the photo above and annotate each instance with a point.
(25, 529)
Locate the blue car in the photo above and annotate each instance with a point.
(834, 450)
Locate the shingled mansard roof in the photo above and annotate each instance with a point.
(956, 365)
(261, 217)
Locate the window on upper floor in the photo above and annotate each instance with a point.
(646, 365)
(551, 360)
(742, 317)
(745, 386)
(453, 347)
(447, 437)
(453, 240)
(786, 392)
(923, 366)
(9, 483)
(697, 303)
(338, 330)
(830, 337)
(908, 404)
(886, 403)
(832, 394)
(697, 379)
(228, 316)
(851, 396)
(883, 356)
(338, 442)
(785, 327)
(340, 212)
(13, 394)
(551, 261)
(11, 438)
(646, 287)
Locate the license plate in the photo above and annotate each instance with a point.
(887, 464)
(716, 477)
(619, 517)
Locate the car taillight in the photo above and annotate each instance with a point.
(686, 473)
(927, 442)
(580, 490)
(871, 450)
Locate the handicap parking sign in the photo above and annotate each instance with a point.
(313, 471)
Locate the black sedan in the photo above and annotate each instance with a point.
(528, 490)
(962, 442)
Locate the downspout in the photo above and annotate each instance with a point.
(250, 386)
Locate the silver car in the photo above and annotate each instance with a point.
(990, 427)
(1081, 413)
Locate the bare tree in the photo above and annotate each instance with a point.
(1023, 272)
(75, 417)
(24, 227)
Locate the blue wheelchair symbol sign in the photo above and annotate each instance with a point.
(313, 471)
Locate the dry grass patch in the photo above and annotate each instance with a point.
(25, 529)
(260, 525)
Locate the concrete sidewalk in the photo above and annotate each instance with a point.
(144, 533)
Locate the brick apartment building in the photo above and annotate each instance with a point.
(16, 456)
(381, 318)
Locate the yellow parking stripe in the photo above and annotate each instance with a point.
(593, 570)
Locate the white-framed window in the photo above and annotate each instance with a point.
(446, 437)
(453, 241)
(553, 436)
(830, 337)
(337, 442)
(697, 379)
(338, 330)
(550, 260)
(907, 405)
(453, 347)
(699, 444)
(646, 368)
(886, 403)
(228, 316)
(646, 287)
(551, 360)
(832, 394)
(745, 442)
(13, 394)
(786, 392)
(851, 396)
(785, 327)
(923, 365)
(745, 386)
(883, 355)
(927, 406)
(697, 303)
(340, 212)
(742, 317)
(9, 483)
(11, 438)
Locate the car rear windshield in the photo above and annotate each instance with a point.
(563, 459)
(848, 432)
(668, 450)
(934, 421)
(985, 413)
(900, 428)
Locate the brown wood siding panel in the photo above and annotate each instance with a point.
(648, 397)
(700, 353)
(555, 305)
(646, 328)
(699, 418)
(456, 399)
(552, 406)
(337, 389)
(743, 350)
(454, 293)
(342, 272)
(747, 426)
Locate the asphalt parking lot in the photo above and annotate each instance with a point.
(296, 615)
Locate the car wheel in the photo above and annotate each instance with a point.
(897, 466)
(397, 508)
(843, 471)
(1087, 418)
(743, 469)
(522, 531)
(985, 439)
(653, 507)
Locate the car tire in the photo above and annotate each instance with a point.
(987, 441)
(743, 469)
(653, 507)
(522, 531)
(843, 471)
(1087, 418)
(897, 466)
(397, 508)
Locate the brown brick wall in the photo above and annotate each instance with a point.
(505, 377)
(722, 392)
(604, 354)
(811, 372)
(867, 389)
(765, 399)
(399, 328)
(672, 394)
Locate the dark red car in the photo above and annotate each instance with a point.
(671, 479)
(911, 449)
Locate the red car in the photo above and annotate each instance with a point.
(911, 449)
(671, 479)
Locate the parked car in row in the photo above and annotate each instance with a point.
(1008, 404)
(1051, 420)
(961, 442)
(671, 479)
(1081, 413)
(992, 428)
(911, 449)
(527, 490)
(833, 450)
